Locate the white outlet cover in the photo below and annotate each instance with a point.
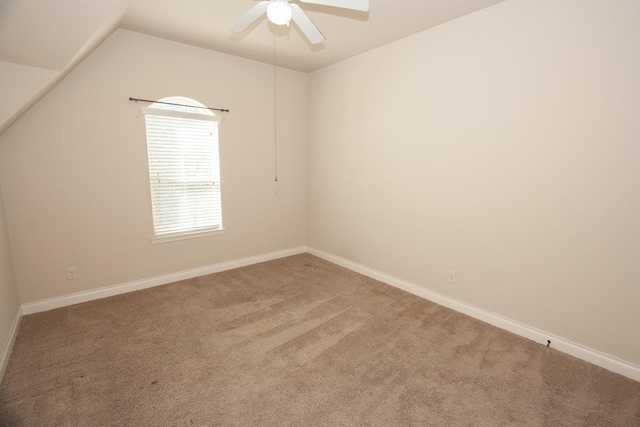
(452, 277)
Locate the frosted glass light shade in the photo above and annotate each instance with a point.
(279, 12)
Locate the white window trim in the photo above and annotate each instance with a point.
(210, 231)
(189, 235)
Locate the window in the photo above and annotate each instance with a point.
(184, 169)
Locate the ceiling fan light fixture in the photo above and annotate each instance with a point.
(279, 12)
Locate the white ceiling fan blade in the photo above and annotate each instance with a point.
(250, 17)
(306, 26)
(361, 5)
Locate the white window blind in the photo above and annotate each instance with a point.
(184, 172)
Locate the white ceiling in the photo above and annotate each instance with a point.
(47, 34)
(41, 41)
(206, 23)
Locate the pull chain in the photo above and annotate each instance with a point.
(275, 115)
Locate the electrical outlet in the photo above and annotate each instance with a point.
(72, 273)
(452, 276)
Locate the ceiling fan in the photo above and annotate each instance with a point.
(281, 12)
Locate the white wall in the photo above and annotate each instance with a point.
(9, 303)
(19, 84)
(503, 146)
(74, 168)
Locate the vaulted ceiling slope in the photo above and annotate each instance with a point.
(41, 40)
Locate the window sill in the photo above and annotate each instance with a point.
(184, 236)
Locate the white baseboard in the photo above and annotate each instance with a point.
(587, 354)
(8, 345)
(80, 297)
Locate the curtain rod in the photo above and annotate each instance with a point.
(224, 110)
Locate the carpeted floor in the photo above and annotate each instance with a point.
(294, 342)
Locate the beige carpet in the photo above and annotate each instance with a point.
(294, 342)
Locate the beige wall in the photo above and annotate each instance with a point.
(9, 303)
(74, 168)
(18, 85)
(503, 146)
